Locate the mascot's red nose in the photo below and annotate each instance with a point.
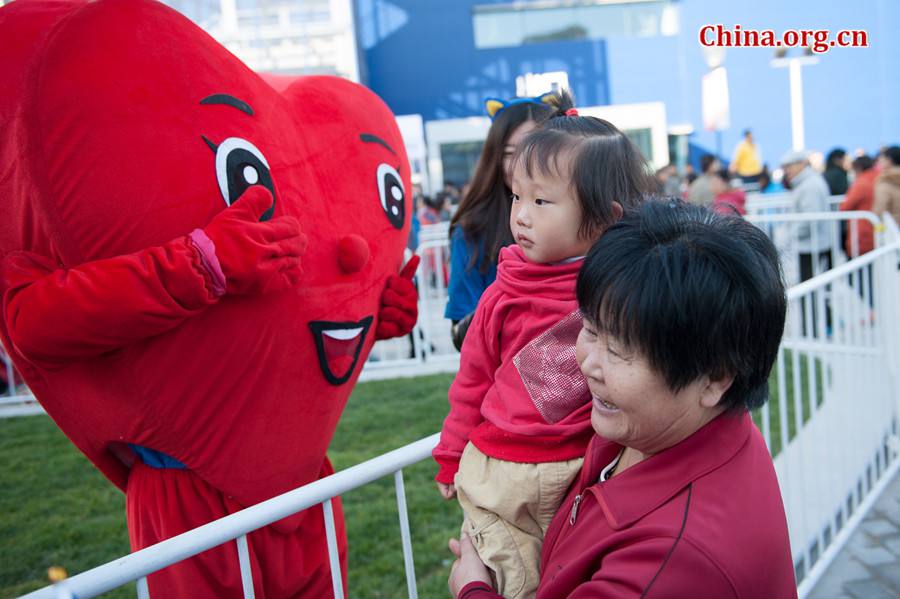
(353, 253)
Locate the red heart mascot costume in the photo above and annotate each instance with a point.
(195, 266)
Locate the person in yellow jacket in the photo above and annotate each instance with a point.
(747, 163)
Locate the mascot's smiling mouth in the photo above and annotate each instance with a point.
(338, 345)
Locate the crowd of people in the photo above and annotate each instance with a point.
(866, 183)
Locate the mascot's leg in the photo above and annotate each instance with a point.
(293, 553)
(288, 559)
(162, 503)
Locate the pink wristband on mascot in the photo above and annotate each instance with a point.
(207, 250)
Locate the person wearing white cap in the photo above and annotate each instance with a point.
(809, 193)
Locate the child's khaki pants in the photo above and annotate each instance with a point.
(508, 507)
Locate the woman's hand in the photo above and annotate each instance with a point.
(468, 567)
(447, 491)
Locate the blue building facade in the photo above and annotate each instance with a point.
(421, 57)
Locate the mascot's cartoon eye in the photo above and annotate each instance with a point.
(240, 164)
(390, 191)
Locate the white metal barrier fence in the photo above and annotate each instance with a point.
(779, 203)
(17, 400)
(135, 566)
(832, 422)
(812, 236)
(832, 426)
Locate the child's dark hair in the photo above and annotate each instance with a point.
(606, 166)
(483, 212)
(697, 293)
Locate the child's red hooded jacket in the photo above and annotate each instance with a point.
(519, 394)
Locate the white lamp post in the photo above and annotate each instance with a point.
(716, 114)
(794, 64)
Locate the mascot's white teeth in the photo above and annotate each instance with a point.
(343, 334)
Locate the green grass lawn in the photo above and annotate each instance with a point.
(58, 510)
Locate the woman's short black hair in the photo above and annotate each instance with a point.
(697, 293)
(606, 166)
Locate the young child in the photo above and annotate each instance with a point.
(519, 418)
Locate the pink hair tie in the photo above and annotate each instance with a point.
(572, 112)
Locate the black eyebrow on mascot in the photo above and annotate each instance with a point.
(195, 266)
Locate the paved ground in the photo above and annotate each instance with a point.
(869, 565)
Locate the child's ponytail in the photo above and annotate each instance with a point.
(561, 101)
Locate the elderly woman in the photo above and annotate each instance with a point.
(683, 314)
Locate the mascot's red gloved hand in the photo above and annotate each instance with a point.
(399, 303)
(256, 257)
